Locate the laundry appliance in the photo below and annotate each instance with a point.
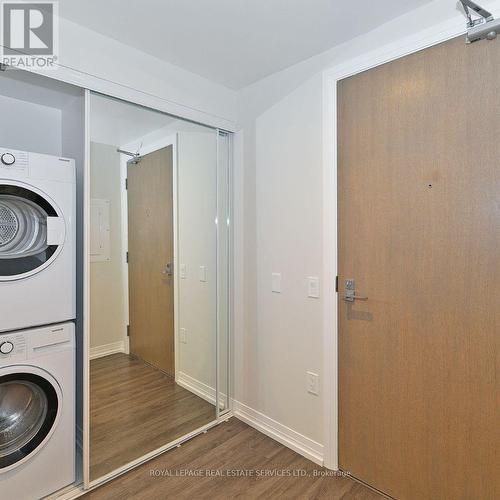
(37, 239)
(37, 411)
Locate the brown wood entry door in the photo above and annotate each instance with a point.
(419, 232)
(150, 251)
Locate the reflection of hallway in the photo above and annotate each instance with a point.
(135, 409)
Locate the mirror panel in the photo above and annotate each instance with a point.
(159, 277)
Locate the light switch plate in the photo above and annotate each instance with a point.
(312, 383)
(183, 271)
(203, 273)
(183, 336)
(313, 287)
(276, 283)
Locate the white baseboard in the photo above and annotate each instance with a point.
(201, 389)
(107, 349)
(288, 437)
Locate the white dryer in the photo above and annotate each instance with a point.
(37, 411)
(37, 240)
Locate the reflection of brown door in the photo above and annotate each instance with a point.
(419, 232)
(151, 250)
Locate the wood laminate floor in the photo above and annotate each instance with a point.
(135, 409)
(231, 460)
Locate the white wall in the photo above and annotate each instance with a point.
(30, 126)
(279, 210)
(107, 321)
(280, 335)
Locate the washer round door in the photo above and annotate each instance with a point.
(30, 403)
(31, 231)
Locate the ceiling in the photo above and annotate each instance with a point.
(234, 42)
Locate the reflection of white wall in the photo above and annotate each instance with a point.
(197, 204)
(107, 322)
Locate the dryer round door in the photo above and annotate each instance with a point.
(30, 405)
(32, 231)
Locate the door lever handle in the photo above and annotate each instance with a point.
(350, 292)
(168, 270)
(353, 297)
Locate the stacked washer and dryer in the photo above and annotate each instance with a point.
(37, 335)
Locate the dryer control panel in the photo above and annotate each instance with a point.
(12, 348)
(14, 161)
(21, 165)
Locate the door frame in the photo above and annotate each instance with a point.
(424, 39)
(151, 147)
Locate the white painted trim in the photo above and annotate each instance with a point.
(197, 387)
(231, 283)
(330, 313)
(224, 150)
(107, 349)
(203, 391)
(288, 437)
(426, 38)
(86, 299)
(136, 96)
(177, 274)
(124, 245)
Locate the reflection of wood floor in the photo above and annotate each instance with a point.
(135, 409)
(228, 451)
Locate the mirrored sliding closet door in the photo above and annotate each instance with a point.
(159, 281)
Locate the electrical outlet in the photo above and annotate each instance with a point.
(312, 383)
(183, 336)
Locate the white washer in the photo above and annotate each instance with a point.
(37, 240)
(37, 411)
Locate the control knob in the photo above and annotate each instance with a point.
(8, 159)
(6, 347)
